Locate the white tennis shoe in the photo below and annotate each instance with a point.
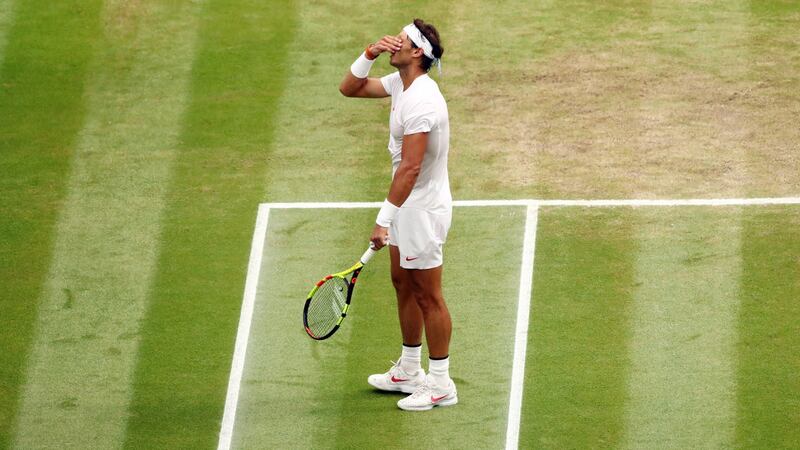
(397, 380)
(429, 395)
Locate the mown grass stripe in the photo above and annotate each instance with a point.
(189, 331)
(48, 44)
(577, 360)
(768, 384)
(78, 384)
(682, 387)
(6, 19)
(682, 381)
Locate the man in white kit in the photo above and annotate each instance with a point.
(416, 214)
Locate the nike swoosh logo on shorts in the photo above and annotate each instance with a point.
(411, 259)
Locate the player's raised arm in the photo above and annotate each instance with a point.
(356, 83)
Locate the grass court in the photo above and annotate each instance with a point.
(138, 139)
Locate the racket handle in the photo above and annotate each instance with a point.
(368, 254)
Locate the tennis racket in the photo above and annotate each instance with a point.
(327, 303)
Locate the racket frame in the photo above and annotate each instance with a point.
(355, 270)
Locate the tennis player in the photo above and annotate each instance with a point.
(416, 214)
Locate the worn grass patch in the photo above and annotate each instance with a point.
(561, 99)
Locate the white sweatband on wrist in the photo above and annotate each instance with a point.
(386, 214)
(360, 68)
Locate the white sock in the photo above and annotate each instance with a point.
(439, 370)
(410, 359)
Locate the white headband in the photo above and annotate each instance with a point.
(421, 41)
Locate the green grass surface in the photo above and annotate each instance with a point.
(189, 330)
(579, 331)
(547, 99)
(6, 18)
(104, 255)
(768, 404)
(43, 74)
(681, 389)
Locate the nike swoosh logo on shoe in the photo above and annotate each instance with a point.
(436, 399)
(397, 380)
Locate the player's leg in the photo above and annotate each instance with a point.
(439, 389)
(426, 286)
(423, 263)
(407, 374)
(409, 312)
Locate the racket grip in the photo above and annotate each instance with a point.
(368, 254)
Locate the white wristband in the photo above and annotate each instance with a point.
(386, 214)
(360, 68)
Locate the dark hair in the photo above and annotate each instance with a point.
(430, 33)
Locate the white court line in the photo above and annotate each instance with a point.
(584, 203)
(324, 205)
(521, 333)
(243, 334)
(674, 202)
(525, 291)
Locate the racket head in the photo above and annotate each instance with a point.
(327, 304)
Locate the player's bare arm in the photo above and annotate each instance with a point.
(368, 87)
(405, 178)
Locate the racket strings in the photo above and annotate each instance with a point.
(326, 306)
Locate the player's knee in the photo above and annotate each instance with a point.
(429, 303)
(398, 281)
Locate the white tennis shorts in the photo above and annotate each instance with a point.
(420, 236)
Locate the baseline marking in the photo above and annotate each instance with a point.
(521, 332)
(243, 333)
(584, 203)
(674, 202)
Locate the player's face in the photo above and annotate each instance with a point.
(403, 57)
